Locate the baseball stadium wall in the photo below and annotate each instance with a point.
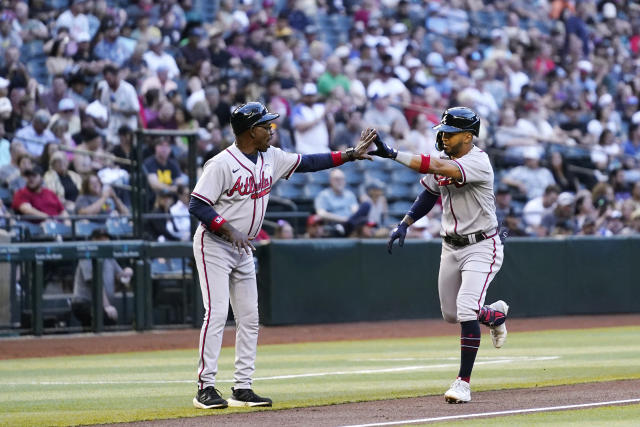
(340, 280)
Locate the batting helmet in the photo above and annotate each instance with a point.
(248, 115)
(457, 119)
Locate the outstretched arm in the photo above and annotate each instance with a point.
(422, 163)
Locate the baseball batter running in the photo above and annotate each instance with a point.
(471, 249)
(230, 200)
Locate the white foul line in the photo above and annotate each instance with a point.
(291, 376)
(488, 414)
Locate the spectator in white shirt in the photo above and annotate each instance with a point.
(74, 19)
(156, 57)
(121, 100)
(309, 120)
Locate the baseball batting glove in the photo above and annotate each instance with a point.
(383, 150)
(400, 232)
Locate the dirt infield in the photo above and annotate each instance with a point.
(67, 345)
(484, 404)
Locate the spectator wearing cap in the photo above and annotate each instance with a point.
(193, 53)
(309, 121)
(530, 179)
(332, 77)
(62, 181)
(398, 42)
(36, 135)
(315, 227)
(121, 100)
(74, 19)
(373, 203)
(35, 200)
(156, 57)
(67, 111)
(112, 47)
(387, 83)
(537, 208)
(440, 81)
(382, 116)
(561, 220)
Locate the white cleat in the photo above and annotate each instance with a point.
(459, 392)
(499, 333)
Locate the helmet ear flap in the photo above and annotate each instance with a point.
(439, 144)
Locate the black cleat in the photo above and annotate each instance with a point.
(246, 397)
(209, 398)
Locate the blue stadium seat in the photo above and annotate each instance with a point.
(399, 208)
(84, 228)
(400, 192)
(404, 176)
(298, 178)
(311, 191)
(287, 190)
(373, 174)
(28, 229)
(119, 227)
(319, 177)
(55, 228)
(5, 196)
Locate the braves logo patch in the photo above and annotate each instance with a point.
(443, 181)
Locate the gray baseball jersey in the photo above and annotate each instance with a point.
(239, 191)
(468, 207)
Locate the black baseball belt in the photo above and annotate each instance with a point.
(461, 241)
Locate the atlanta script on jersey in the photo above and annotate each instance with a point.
(238, 189)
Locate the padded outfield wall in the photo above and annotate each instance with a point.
(344, 280)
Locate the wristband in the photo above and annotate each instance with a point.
(336, 156)
(351, 154)
(216, 223)
(424, 164)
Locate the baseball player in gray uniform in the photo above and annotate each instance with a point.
(230, 200)
(471, 250)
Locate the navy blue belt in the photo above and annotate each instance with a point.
(461, 241)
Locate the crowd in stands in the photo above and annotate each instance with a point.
(556, 83)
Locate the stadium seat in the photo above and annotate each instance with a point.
(319, 177)
(373, 174)
(399, 208)
(399, 192)
(298, 178)
(5, 196)
(84, 228)
(404, 176)
(55, 229)
(119, 227)
(311, 190)
(287, 190)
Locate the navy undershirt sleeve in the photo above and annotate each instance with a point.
(315, 162)
(202, 210)
(422, 205)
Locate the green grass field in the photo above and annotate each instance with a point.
(153, 385)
